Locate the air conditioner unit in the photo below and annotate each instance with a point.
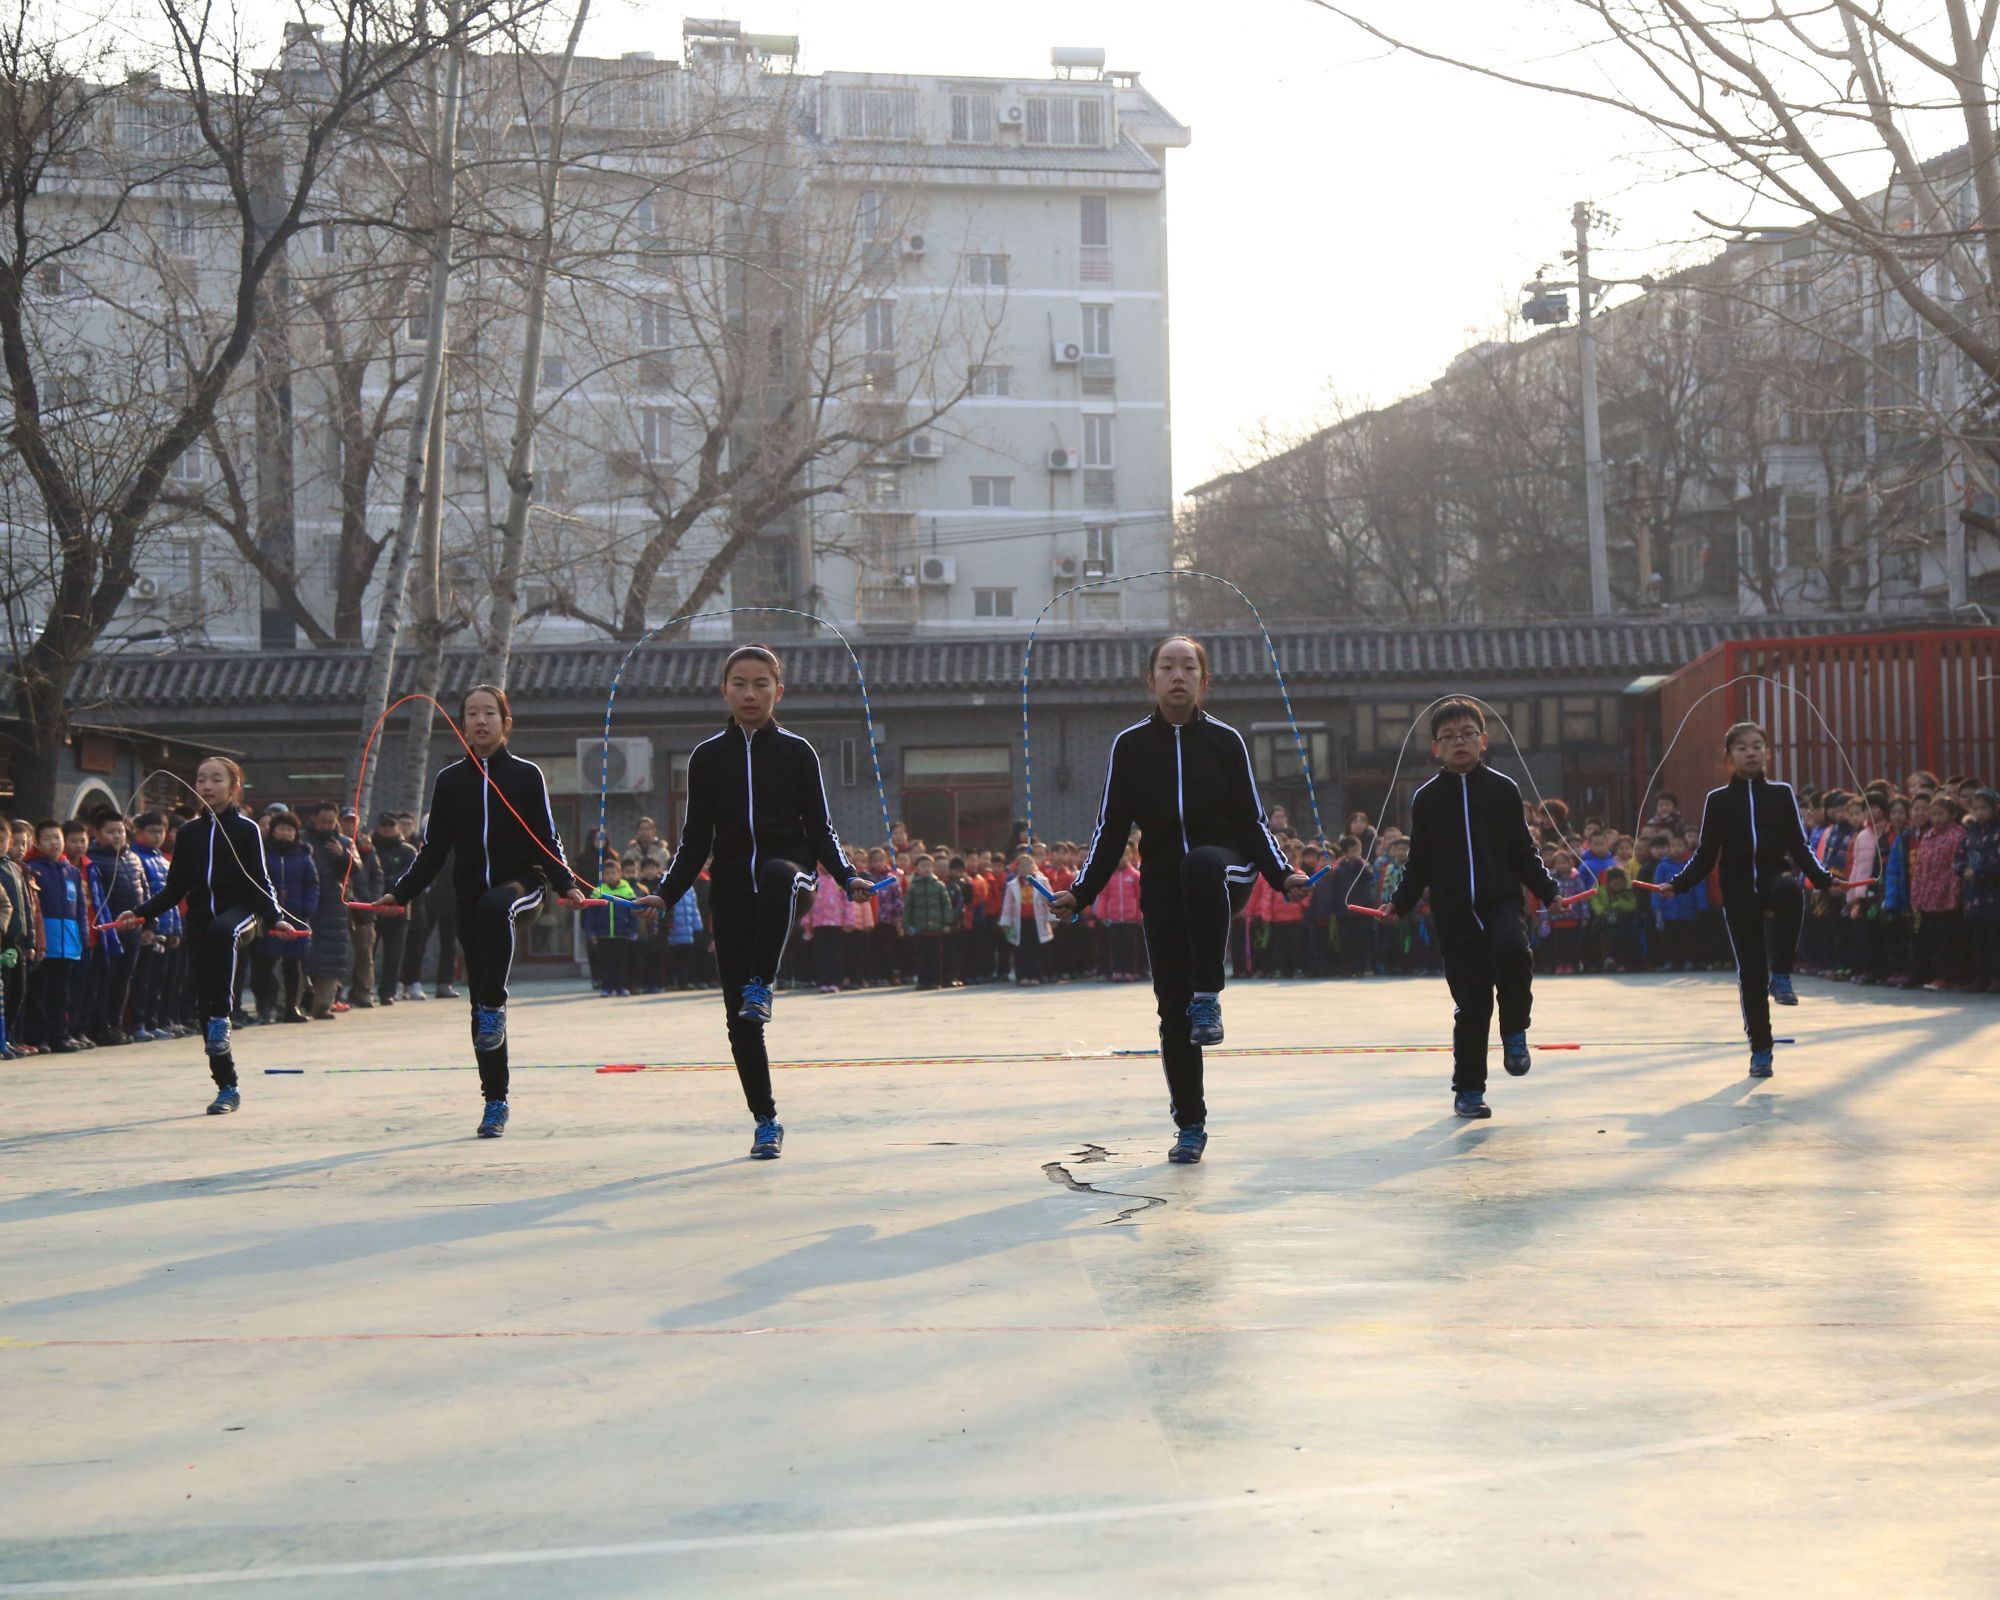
(627, 768)
(1065, 352)
(938, 572)
(145, 588)
(913, 244)
(1067, 567)
(925, 447)
(1061, 460)
(1013, 116)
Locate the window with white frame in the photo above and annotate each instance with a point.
(555, 372)
(878, 324)
(992, 383)
(986, 271)
(878, 113)
(871, 214)
(1098, 441)
(655, 432)
(971, 117)
(328, 239)
(992, 602)
(1096, 330)
(1094, 215)
(652, 322)
(882, 486)
(993, 491)
(1090, 123)
(190, 466)
(1100, 546)
(645, 216)
(1065, 120)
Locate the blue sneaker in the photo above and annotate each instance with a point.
(225, 1101)
(1471, 1103)
(1514, 1054)
(494, 1123)
(1781, 989)
(1760, 1063)
(1204, 1020)
(216, 1037)
(756, 1007)
(489, 1027)
(1189, 1146)
(769, 1142)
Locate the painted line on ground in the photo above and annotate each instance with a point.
(760, 1543)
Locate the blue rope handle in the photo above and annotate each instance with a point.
(867, 713)
(1284, 691)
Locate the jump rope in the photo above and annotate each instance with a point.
(1277, 671)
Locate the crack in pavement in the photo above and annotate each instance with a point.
(1057, 1172)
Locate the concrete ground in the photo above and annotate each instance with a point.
(1653, 1330)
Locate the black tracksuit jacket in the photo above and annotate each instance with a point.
(1186, 785)
(751, 799)
(213, 874)
(1470, 847)
(486, 841)
(1752, 825)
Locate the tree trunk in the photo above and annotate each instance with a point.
(389, 625)
(38, 762)
(505, 603)
(430, 625)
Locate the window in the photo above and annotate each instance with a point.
(993, 491)
(655, 432)
(177, 231)
(1090, 124)
(1095, 211)
(1051, 119)
(992, 602)
(1097, 441)
(1100, 549)
(553, 482)
(882, 486)
(1801, 531)
(646, 215)
(52, 278)
(878, 323)
(878, 113)
(959, 797)
(328, 239)
(652, 322)
(871, 214)
(1097, 330)
(992, 382)
(417, 324)
(189, 466)
(986, 271)
(555, 372)
(972, 118)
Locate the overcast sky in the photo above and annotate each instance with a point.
(1344, 220)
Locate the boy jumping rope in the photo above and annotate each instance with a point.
(1470, 848)
(1752, 825)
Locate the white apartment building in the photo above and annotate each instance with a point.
(991, 338)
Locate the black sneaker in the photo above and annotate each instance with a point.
(225, 1101)
(1189, 1146)
(494, 1123)
(769, 1141)
(1471, 1103)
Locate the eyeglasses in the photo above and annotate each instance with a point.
(1459, 736)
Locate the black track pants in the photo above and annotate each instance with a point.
(1763, 936)
(489, 928)
(215, 947)
(1186, 934)
(751, 932)
(1481, 964)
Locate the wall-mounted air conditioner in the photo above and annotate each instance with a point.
(938, 572)
(1062, 460)
(628, 768)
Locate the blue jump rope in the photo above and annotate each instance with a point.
(867, 712)
(1278, 671)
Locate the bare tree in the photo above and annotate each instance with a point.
(252, 142)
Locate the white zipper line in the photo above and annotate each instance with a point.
(750, 800)
(1180, 789)
(1750, 789)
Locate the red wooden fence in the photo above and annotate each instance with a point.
(1893, 702)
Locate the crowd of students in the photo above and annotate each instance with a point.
(71, 982)
(953, 918)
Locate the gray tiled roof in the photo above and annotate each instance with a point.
(928, 670)
(1125, 156)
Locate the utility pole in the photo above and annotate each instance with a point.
(1593, 455)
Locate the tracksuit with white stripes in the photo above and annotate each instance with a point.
(507, 859)
(757, 804)
(218, 867)
(1471, 849)
(1751, 833)
(1191, 790)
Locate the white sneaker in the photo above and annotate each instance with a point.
(414, 991)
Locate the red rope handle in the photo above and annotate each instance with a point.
(361, 777)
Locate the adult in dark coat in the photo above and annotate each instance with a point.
(392, 858)
(332, 955)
